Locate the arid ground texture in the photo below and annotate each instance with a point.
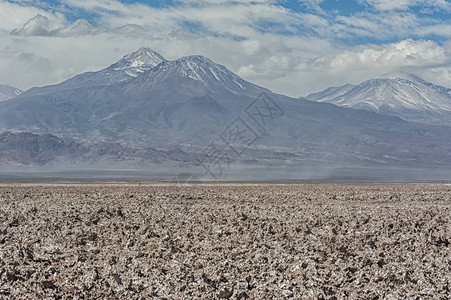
(225, 241)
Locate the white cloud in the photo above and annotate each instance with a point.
(440, 76)
(443, 30)
(407, 53)
(313, 5)
(23, 69)
(14, 15)
(443, 5)
(389, 5)
(218, 17)
(128, 29)
(382, 25)
(402, 5)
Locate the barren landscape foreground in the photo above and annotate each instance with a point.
(225, 241)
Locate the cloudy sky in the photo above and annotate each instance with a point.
(291, 47)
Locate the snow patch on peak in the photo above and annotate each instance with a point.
(203, 69)
(142, 60)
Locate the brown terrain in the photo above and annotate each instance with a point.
(225, 241)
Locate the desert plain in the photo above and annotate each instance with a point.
(225, 241)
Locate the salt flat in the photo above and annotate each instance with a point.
(229, 241)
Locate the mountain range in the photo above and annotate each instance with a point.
(196, 109)
(28, 149)
(398, 94)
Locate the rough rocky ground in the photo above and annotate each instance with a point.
(296, 241)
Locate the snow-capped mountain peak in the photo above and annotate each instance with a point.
(139, 61)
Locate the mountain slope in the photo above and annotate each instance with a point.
(8, 92)
(399, 94)
(330, 93)
(31, 149)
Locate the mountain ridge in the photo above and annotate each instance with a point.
(9, 92)
(399, 94)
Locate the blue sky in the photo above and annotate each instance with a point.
(291, 47)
